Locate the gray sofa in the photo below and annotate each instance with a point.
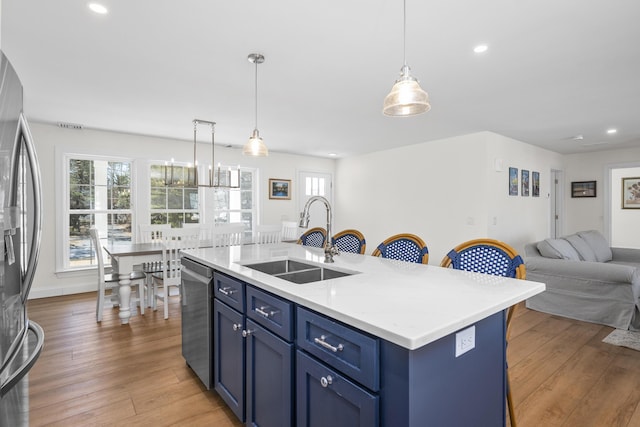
(586, 279)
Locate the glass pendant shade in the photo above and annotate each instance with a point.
(255, 146)
(406, 97)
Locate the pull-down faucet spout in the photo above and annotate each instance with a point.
(329, 249)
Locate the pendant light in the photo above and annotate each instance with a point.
(255, 146)
(406, 97)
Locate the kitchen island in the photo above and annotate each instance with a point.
(405, 344)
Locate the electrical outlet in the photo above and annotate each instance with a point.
(465, 341)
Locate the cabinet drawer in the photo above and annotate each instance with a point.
(229, 290)
(272, 312)
(348, 350)
(326, 398)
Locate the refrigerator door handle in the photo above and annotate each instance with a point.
(34, 251)
(27, 364)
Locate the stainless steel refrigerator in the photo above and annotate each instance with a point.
(20, 220)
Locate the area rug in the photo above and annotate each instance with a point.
(622, 338)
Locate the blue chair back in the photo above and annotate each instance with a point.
(403, 247)
(486, 256)
(314, 237)
(349, 241)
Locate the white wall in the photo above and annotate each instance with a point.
(625, 229)
(445, 191)
(590, 213)
(51, 140)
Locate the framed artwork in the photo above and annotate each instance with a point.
(513, 181)
(525, 182)
(535, 184)
(279, 189)
(583, 189)
(631, 193)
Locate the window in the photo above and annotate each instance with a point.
(98, 194)
(174, 204)
(177, 204)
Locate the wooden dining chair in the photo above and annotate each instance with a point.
(151, 233)
(228, 234)
(290, 231)
(493, 257)
(314, 237)
(110, 281)
(268, 234)
(403, 247)
(349, 241)
(206, 230)
(173, 242)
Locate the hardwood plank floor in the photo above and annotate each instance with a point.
(110, 374)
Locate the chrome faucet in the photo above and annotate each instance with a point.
(329, 249)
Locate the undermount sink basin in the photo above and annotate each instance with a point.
(298, 272)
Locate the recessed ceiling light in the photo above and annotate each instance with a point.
(333, 154)
(481, 48)
(612, 131)
(98, 8)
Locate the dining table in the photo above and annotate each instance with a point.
(126, 256)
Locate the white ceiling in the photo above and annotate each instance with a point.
(554, 69)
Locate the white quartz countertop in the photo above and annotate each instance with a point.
(408, 304)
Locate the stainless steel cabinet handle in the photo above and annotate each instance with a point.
(237, 326)
(246, 332)
(261, 311)
(227, 291)
(326, 345)
(326, 381)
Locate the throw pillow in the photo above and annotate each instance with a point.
(558, 248)
(583, 248)
(598, 243)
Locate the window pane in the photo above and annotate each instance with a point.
(120, 198)
(119, 174)
(157, 175)
(176, 219)
(191, 198)
(158, 218)
(174, 199)
(221, 199)
(80, 171)
(158, 198)
(80, 251)
(119, 227)
(80, 197)
(247, 199)
(191, 218)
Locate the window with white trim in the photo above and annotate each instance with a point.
(98, 193)
(175, 203)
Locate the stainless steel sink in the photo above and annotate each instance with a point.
(298, 272)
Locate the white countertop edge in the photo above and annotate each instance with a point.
(430, 334)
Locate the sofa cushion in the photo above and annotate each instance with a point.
(583, 248)
(598, 243)
(558, 248)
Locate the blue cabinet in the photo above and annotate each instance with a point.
(253, 353)
(229, 356)
(270, 394)
(326, 398)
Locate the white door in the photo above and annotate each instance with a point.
(315, 184)
(555, 196)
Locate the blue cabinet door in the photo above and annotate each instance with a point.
(325, 398)
(229, 359)
(269, 379)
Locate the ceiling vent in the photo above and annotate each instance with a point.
(70, 126)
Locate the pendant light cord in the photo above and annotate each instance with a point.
(256, 62)
(404, 31)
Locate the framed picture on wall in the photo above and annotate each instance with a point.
(513, 181)
(525, 182)
(583, 189)
(280, 189)
(631, 193)
(535, 184)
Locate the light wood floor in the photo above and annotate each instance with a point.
(107, 374)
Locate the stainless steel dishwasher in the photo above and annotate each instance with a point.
(196, 300)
